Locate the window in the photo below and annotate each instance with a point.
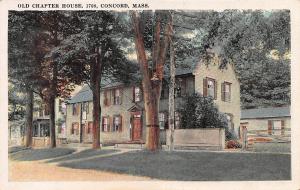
(162, 120)
(90, 128)
(106, 98)
(226, 91)
(117, 123)
(117, 96)
(276, 127)
(75, 129)
(105, 124)
(136, 94)
(85, 107)
(60, 105)
(180, 87)
(177, 120)
(210, 87)
(74, 109)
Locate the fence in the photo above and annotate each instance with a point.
(266, 140)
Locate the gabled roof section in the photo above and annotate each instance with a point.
(270, 112)
(84, 95)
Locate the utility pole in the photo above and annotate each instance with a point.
(171, 90)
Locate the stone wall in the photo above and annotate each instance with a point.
(214, 137)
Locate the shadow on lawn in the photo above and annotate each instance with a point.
(192, 166)
(85, 154)
(40, 154)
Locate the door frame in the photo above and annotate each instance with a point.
(132, 124)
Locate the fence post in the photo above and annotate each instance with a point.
(245, 139)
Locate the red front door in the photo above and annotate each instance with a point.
(136, 127)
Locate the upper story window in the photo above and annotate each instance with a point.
(74, 109)
(106, 99)
(117, 96)
(61, 106)
(226, 91)
(180, 87)
(85, 107)
(210, 87)
(137, 94)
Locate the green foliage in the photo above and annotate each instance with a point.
(198, 111)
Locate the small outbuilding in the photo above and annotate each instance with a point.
(272, 121)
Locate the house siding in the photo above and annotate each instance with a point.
(262, 123)
(193, 83)
(225, 75)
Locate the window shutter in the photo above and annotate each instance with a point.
(223, 91)
(87, 107)
(216, 89)
(269, 127)
(113, 96)
(105, 98)
(77, 109)
(121, 124)
(102, 124)
(133, 94)
(109, 94)
(141, 93)
(121, 95)
(282, 127)
(108, 123)
(111, 121)
(229, 96)
(205, 87)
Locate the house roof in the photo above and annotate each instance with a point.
(84, 95)
(270, 112)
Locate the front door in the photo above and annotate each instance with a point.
(136, 127)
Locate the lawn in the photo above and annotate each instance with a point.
(192, 166)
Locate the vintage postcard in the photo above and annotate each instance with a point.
(150, 94)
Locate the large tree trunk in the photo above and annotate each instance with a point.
(95, 85)
(151, 88)
(28, 118)
(52, 122)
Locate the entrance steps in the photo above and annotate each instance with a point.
(130, 145)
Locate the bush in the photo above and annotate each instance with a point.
(233, 144)
(198, 111)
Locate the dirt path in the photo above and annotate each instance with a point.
(37, 171)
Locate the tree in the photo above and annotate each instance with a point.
(23, 67)
(152, 81)
(249, 40)
(92, 54)
(32, 65)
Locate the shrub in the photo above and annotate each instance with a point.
(233, 144)
(198, 111)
